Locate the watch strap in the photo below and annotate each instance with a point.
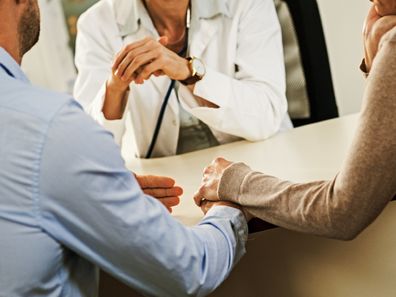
(192, 79)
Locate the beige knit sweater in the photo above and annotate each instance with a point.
(342, 207)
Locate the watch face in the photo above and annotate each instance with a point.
(199, 67)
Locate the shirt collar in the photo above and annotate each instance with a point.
(128, 13)
(207, 9)
(12, 65)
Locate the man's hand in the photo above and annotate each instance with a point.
(374, 28)
(139, 60)
(162, 188)
(210, 181)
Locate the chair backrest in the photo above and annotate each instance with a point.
(318, 82)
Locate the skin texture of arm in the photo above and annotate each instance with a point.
(343, 207)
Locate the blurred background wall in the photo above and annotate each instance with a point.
(50, 63)
(343, 24)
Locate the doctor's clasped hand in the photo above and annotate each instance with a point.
(139, 60)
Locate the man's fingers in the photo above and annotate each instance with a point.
(163, 192)
(153, 181)
(170, 201)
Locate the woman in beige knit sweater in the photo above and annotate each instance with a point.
(344, 206)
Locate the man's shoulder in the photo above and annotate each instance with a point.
(34, 101)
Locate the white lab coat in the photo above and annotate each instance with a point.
(240, 44)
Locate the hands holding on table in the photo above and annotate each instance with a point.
(164, 189)
(208, 194)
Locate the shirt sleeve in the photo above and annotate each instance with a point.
(342, 207)
(91, 204)
(252, 103)
(94, 58)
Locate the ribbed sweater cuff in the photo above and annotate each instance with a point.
(231, 182)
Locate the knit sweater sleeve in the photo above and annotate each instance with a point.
(344, 206)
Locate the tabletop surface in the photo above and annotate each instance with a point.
(306, 153)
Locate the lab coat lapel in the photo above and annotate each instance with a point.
(200, 39)
(206, 20)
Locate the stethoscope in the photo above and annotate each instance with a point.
(163, 107)
(167, 95)
(6, 70)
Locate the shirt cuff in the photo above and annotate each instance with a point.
(238, 222)
(231, 182)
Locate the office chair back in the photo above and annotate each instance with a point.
(314, 60)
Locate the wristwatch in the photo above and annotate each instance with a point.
(197, 69)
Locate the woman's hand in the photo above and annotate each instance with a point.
(162, 188)
(140, 60)
(211, 180)
(374, 28)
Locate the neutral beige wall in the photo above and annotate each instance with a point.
(343, 23)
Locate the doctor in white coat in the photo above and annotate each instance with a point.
(229, 74)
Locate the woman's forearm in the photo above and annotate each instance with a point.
(114, 102)
(342, 207)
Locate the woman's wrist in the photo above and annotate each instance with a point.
(115, 101)
(116, 88)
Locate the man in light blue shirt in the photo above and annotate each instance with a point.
(68, 204)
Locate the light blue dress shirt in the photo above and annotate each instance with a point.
(68, 205)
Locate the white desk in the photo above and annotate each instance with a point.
(311, 152)
(281, 263)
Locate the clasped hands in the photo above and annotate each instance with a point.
(164, 189)
(138, 61)
(208, 192)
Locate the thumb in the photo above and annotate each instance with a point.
(163, 40)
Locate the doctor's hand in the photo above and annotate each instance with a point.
(162, 188)
(375, 28)
(211, 180)
(139, 60)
